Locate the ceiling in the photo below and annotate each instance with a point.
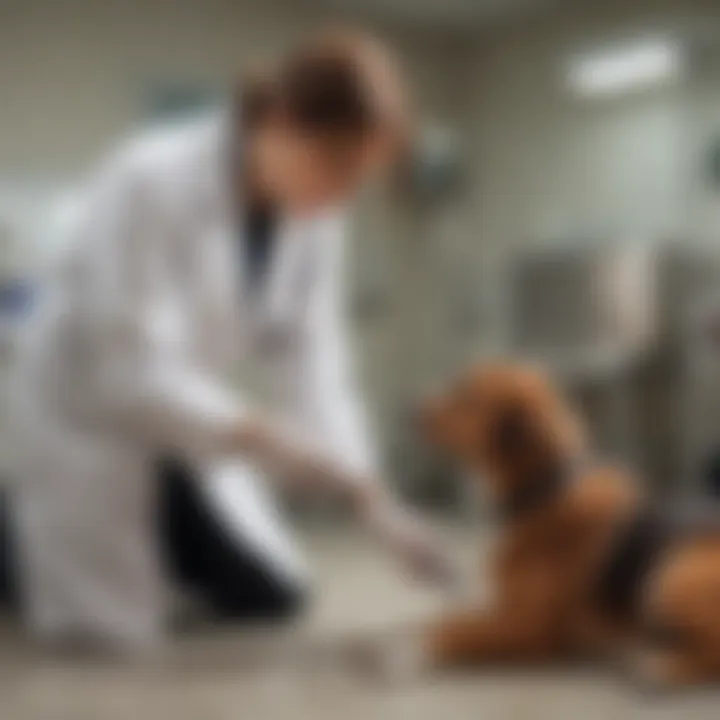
(431, 12)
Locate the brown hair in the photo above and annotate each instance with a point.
(339, 82)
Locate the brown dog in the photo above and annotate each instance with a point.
(585, 565)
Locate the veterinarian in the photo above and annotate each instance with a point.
(204, 259)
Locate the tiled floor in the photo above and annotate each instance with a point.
(213, 677)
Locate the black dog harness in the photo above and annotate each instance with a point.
(641, 541)
(641, 538)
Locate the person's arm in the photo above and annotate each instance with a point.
(144, 381)
(323, 395)
(327, 402)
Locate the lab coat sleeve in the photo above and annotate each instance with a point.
(326, 394)
(144, 379)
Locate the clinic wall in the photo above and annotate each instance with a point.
(555, 167)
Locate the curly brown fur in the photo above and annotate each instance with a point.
(512, 429)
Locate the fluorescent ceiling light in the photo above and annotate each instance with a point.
(625, 68)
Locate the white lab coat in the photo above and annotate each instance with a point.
(133, 349)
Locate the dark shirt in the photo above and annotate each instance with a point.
(258, 242)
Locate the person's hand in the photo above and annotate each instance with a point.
(406, 537)
(410, 540)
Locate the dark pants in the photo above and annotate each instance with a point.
(200, 556)
(203, 557)
(712, 475)
(8, 556)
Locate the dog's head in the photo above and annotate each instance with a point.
(507, 423)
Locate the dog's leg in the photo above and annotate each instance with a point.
(467, 638)
(476, 638)
(681, 603)
(596, 636)
(664, 669)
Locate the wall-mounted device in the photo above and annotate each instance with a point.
(433, 169)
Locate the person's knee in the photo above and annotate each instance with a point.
(277, 601)
(283, 599)
(289, 603)
(282, 595)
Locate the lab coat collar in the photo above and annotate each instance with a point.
(294, 244)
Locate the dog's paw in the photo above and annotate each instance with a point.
(656, 673)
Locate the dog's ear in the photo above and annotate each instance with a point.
(513, 430)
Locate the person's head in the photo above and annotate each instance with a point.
(332, 114)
